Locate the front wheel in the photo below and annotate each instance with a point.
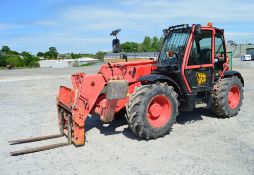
(228, 97)
(152, 110)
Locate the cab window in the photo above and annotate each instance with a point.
(219, 47)
(201, 52)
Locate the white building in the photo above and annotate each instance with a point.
(66, 62)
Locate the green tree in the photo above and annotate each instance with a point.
(52, 53)
(140, 47)
(6, 49)
(146, 45)
(40, 54)
(14, 52)
(129, 47)
(15, 61)
(34, 62)
(2, 61)
(72, 55)
(155, 44)
(27, 57)
(52, 49)
(26, 54)
(100, 55)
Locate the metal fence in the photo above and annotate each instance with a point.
(132, 55)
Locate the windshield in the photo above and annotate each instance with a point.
(173, 46)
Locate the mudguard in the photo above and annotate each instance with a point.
(157, 77)
(233, 73)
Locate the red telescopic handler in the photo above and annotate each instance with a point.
(192, 70)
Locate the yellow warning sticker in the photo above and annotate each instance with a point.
(201, 78)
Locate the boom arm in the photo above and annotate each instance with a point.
(90, 94)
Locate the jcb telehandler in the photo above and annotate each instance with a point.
(191, 70)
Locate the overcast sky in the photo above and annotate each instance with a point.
(84, 25)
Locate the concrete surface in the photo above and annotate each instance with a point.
(199, 143)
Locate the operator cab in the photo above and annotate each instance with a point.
(192, 59)
(189, 57)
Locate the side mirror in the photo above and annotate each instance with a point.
(198, 30)
(115, 42)
(116, 45)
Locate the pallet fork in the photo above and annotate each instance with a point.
(40, 138)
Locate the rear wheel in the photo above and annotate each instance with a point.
(227, 98)
(152, 110)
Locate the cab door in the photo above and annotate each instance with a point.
(199, 67)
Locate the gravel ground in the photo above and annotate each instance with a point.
(200, 143)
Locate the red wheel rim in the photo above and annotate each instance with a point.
(234, 97)
(159, 111)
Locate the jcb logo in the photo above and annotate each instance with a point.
(201, 78)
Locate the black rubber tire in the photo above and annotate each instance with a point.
(220, 105)
(137, 106)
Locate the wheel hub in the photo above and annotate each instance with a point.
(159, 111)
(234, 97)
(155, 110)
